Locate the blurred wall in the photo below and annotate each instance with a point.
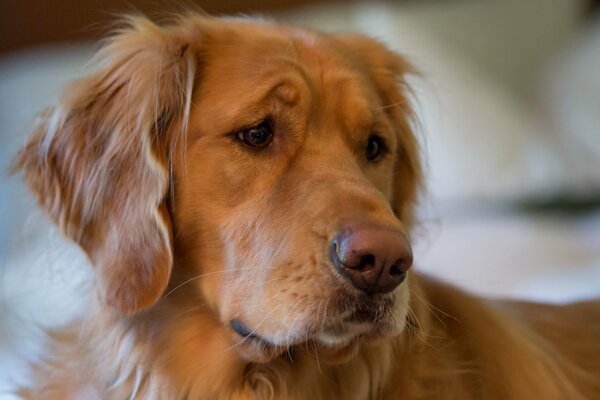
(31, 22)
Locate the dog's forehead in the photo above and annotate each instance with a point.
(308, 38)
(254, 54)
(256, 49)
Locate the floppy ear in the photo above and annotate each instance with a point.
(389, 71)
(98, 161)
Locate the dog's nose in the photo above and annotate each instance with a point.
(374, 259)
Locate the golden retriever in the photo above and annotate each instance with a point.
(245, 193)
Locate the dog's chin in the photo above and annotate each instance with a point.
(332, 344)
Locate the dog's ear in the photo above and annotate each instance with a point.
(98, 161)
(389, 72)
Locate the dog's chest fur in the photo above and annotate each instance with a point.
(459, 348)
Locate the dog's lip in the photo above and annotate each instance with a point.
(332, 345)
(242, 329)
(331, 335)
(360, 318)
(335, 341)
(339, 335)
(253, 347)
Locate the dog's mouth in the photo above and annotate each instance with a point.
(332, 343)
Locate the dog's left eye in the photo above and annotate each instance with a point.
(375, 149)
(257, 136)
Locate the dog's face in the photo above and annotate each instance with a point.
(281, 174)
(290, 145)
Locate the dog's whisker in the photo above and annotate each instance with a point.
(278, 278)
(186, 282)
(417, 330)
(314, 345)
(319, 318)
(284, 322)
(294, 321)
(392, 105)
(225, 271)
(434, 310)
(326, 310)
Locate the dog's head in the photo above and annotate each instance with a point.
(274, 167)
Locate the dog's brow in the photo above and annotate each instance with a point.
(295, 66)
(286, 88)
(286, 92)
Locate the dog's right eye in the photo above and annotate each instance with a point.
(375, 148)
(257, 136)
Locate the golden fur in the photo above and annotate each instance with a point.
(188, 229)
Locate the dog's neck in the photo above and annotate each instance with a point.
(188, 352)
(175, 353)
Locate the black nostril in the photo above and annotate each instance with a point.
(399, 267)
(398, 270)
(366, 262)
(395, 270)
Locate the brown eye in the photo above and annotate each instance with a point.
(375, 148)
(257, 136)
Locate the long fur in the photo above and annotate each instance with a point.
(184, 236)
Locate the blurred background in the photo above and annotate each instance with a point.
(509, 123)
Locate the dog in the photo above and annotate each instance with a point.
(245, 193)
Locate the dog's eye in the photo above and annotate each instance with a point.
(375, 149)
(257, 136)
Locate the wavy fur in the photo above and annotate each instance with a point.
(187, 230)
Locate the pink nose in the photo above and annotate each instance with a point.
(373, 258)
